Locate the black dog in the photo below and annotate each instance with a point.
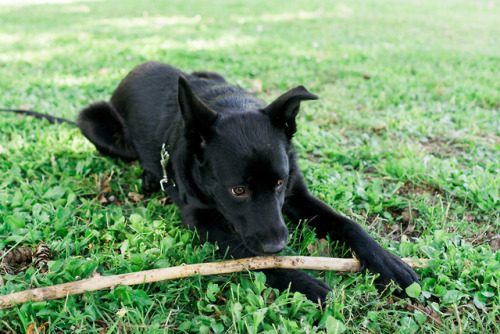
(231, 166)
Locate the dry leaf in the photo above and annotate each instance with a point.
(320, 248)
(40, 330)
(102, 199)
(53, 160)
(256, 86)
(135, 197)
(103, 182)
(495, 243)
(406, 215)
(103, 71)
(26, 106)
(31, 329)
(468, 217)
(121, 312)
(165, 201)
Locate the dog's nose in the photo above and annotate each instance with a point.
(273, 248)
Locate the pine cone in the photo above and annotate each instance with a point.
(42, 256)
(17, 256)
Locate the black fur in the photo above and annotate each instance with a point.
(232, 166)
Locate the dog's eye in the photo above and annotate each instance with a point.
(279, 184)
(238, 191)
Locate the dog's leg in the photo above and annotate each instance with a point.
(300, 204)
(150, 182)
(209, 225)
(105, 127)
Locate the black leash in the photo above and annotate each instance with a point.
(50, 119)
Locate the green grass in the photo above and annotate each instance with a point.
(405, 139)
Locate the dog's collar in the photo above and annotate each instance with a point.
(164, 161)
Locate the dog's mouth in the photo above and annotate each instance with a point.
(258, 245)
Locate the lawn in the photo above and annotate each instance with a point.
(405, 139)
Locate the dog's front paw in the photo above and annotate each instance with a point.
(312, 288)
(390, 268)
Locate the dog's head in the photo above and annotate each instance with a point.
(242, 162)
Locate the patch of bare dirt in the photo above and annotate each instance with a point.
(404, 219)
(403, 224)
(486, 237)
(416, 189)
(314, 157)
(442, 147)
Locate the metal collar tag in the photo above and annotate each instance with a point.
(164, 160)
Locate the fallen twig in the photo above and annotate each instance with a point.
(254, 263)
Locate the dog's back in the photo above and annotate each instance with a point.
(147, 99)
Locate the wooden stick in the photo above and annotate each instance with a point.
(254, 263)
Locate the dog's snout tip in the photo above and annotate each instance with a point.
(273, 248)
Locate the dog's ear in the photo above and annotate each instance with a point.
(286, 107)
(197, 116)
